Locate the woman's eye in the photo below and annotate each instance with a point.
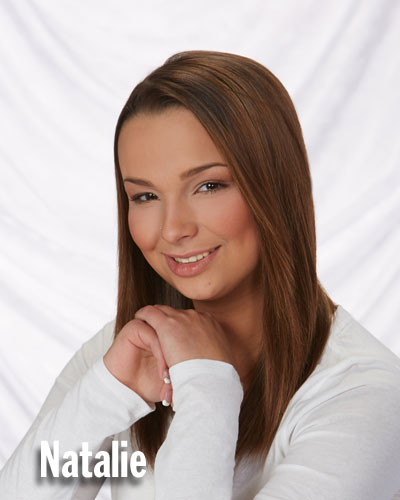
(211, 187)
(207, 187)
(138, 198)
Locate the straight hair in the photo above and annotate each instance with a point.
(252, 121)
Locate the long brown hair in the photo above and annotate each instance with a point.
(252, 121)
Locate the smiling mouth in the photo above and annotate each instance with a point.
(194, 258)
(193, 265)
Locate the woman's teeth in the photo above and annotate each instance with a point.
(194, 258)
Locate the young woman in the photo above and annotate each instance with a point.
(227, 364)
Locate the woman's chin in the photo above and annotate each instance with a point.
(202, 290)
(204, 294)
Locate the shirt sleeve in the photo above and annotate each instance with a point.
(344, 445)
(86, 404)
(197, 458)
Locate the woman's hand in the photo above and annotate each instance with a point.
(136, 359)
(160, 337)
(186, 334)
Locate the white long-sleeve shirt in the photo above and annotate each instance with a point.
(339, 438)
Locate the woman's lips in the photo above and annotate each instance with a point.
(191, 254)
(191, 268)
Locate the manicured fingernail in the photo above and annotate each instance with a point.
(167, 380)
(167, 400)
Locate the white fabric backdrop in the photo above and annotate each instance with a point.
(66, 69)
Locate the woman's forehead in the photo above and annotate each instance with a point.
(171, 140)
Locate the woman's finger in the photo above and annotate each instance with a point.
(166, 395)
(167, 310)
(154, 316)
(158, 354)
(144, 337)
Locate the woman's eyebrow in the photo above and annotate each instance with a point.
(184, 175)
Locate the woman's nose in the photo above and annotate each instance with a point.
(178, 222)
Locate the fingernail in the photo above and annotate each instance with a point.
(167, 400)
(167, 380)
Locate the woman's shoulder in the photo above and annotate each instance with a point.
(353, 361)
(350, 342)
(83, 359)
(87, 355)
(98, 344)
(341, 427)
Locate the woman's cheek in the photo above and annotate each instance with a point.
(229, 215)
(143, 230)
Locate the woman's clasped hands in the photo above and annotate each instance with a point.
(159, 337)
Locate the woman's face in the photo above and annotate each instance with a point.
(183, 202)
